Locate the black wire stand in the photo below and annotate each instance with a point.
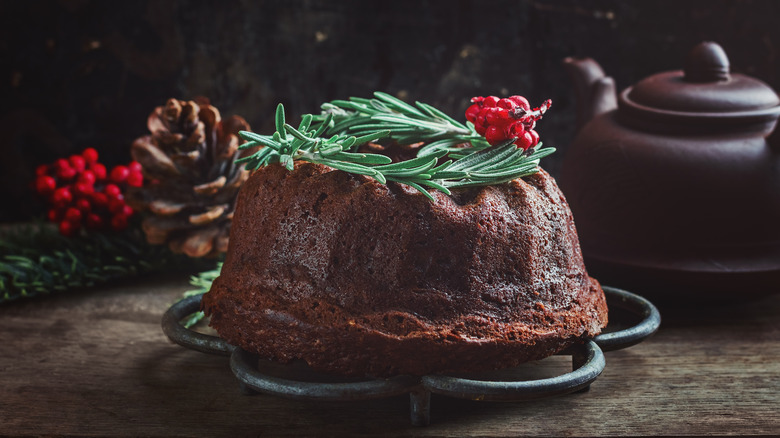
(257, 375)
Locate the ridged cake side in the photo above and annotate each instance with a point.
(360, 278)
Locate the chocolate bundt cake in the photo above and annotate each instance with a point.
(360, 278)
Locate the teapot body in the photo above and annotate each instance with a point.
(698, 210)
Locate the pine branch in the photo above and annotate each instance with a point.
(202, 283)
(455, 155)
(36, 260)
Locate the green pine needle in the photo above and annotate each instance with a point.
(36, 260)
(332, 137)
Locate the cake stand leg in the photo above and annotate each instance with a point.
(245, 389)
(578, 360)
(420, 401)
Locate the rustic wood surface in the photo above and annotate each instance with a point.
(95, 363)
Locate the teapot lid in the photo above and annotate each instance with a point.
(705, 91)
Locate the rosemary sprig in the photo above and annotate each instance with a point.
(455, 155)
(36, 260)
(202, 283)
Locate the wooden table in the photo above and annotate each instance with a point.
(96, 363)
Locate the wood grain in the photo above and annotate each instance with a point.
(95, 363)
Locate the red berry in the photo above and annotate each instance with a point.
(68, 228)
(534, 137)
(116, 206)
(119, 174)
(54, 214)
(87, 177)
(119, 222)
(498, 116)
(480, 128)
(73, 214)
(61, 163)
(490, 101)
(515, 130)
(471, 112)
(66, 173)
(521, 101)
(135, 166)
(82, 189)
(61, 197)
(506, 104)
(94, 221)
(90, 155)
(135, 179)
(83, 205)
(77, 162)
(477, 99)
(45, 184)
(127, 210)
(99, 170)
(99, 199)
(112, 191)
(494, 135)
(525, 141)
(41, 170)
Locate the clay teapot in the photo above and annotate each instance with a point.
(675, 182)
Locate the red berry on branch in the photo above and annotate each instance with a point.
(521, 101)
(87, 177)
(73, 214)
(471, 112)
(68, 228)
(112, 191)
(54, 214)
(515, 130)
(94, 221)
(90, 155)
(127, 210)
(82, 189)
(116, 206)
(498, 116)
(61, 197)
(525, 141)
(100, 200)
(99, 170)
(477, 99)
(506, 104)
(61, 163)
(494, 135)
(135, 179)
(119, 222)
(45, 185)
(135, 166)
(490, 101)
(41, 170)
(77, 162)
(534, 137)
(83, 205)
(119, 174)
(66, 173)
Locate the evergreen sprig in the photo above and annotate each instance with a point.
(35, 260)
(454, 155)
(202, 283)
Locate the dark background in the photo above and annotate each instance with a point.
(81, 73)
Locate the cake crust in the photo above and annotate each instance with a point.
(361, 278)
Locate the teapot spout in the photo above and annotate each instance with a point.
(595, 92)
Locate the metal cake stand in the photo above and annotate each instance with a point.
(257, 375)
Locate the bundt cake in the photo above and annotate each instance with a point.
(361, 278)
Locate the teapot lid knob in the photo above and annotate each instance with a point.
(707, 62)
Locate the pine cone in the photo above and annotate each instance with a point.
(191, 177)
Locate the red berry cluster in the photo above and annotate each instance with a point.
(81, 192)
(502, 119)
